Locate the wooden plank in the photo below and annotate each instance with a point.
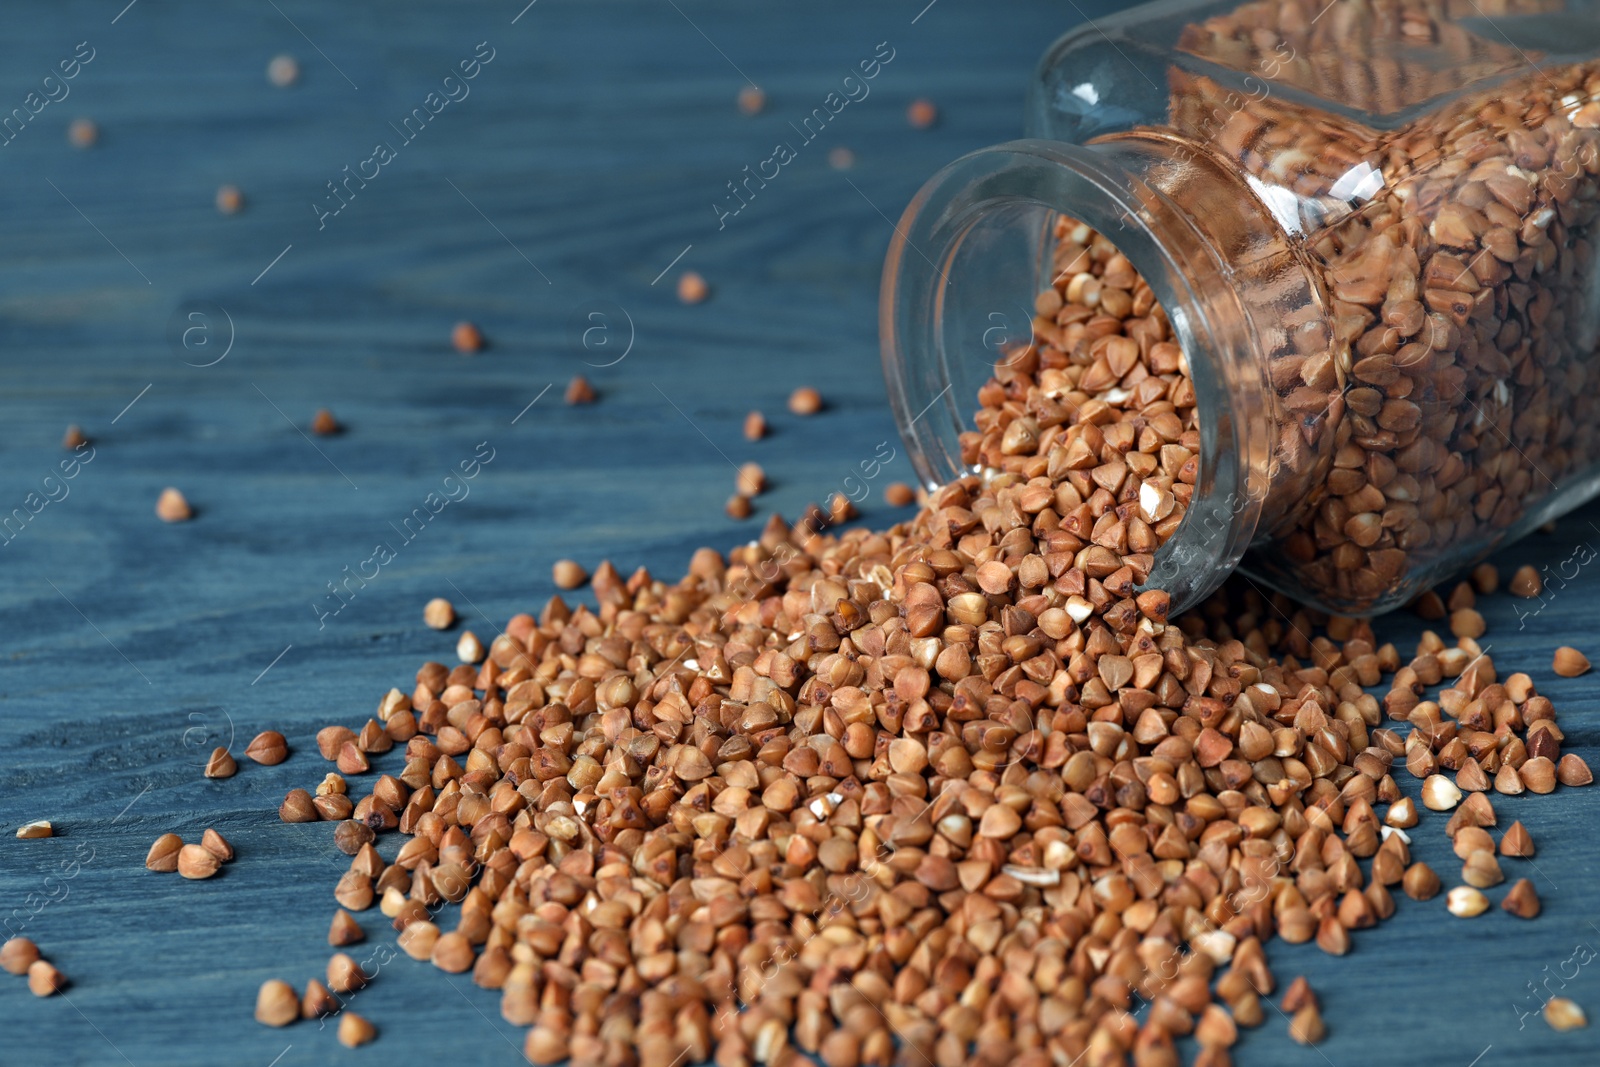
(586, 159)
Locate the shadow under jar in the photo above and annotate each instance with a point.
(1372, 228)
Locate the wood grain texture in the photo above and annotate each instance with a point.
(586, 158)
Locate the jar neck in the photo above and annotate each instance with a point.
(976, 242)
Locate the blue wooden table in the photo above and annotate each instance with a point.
(553, 197)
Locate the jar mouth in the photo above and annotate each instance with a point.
(972, 251)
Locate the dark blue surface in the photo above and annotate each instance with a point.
(587, 156)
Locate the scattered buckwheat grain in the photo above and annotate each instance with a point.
(268, 748)
(17, 955)
(752, 101)
(751, 480)
(276, 1003)
(692, 288)
(283, 71)
(1569, 662)
(467, 338)
(195, 861)
(354, 1030)
(805, 401)
(1564, 1014)
(44, 980)
(568, 574)
(221, 764)
(172, 507)
(439, 614)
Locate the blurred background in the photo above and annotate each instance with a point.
(205, 242)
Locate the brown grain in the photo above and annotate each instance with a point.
(469, 648)
(692, 289)
(752, 101)
(297, 806)
(44, 980)
(17, 955)
(1569, 662)
(452, 952)
(1564, 1014)
(418, 939)
(195, 861)
(330, 739)
(805, 401)
(351, 760)
(579, 391)
(1572, 771)
(1465, 902)
(217, 845)
(751, 480)
(1298, 995)
(1420, 883)
(1306, 1027)
(83, 133)
(354, 1030)
(439, 614)
(1538, 775)
(221, 764)
(333, 807)
(1482, 870)
(344, 930)
(345, 974)
(1516, 842)
(1521, 900)
(283, 70)
(172, 507)
(1526, 582)
(568, 575)
(467, 338)
(354, 891)
(1485, 578)
(317, 1001)
(276, 1003)
(268, 748)
(350, 836)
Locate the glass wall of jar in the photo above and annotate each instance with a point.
(1370, 229)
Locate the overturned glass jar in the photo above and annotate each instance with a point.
(1371, 228)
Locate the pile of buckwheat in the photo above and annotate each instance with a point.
(950, 793)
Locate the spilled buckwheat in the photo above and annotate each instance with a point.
(956, 792)
(959, 791)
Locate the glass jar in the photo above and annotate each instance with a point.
(1371, 224)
